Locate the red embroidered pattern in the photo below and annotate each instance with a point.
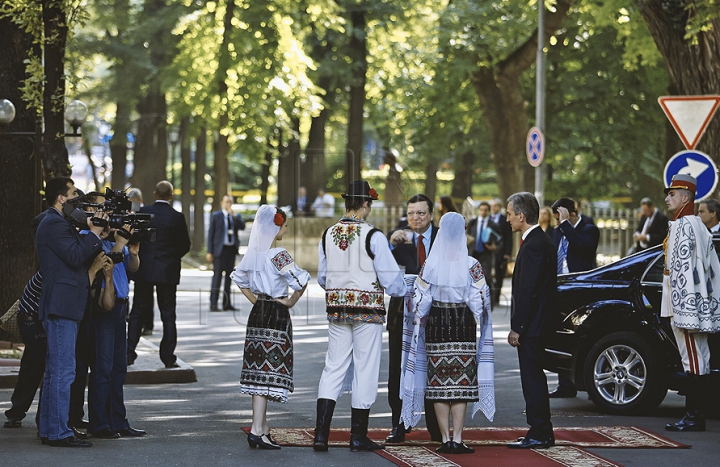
(355, 299)
(281, 260)
(476, 272)
(344, 234)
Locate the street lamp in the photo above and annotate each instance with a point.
(174, 135)
(75, 114)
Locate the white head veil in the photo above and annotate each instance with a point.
(262, 236)
(447, 264)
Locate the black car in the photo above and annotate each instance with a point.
(612, 341)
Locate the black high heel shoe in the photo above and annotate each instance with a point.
(271, 439)
(445, 448)
(257, 441)
(461, 448)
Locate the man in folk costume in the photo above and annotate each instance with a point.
(691, 286)
(356, 269)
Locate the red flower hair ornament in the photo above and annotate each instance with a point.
(278, 220)
(373, 194)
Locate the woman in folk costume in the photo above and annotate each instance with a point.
(691, 288)
(450, 299)
(263, 276)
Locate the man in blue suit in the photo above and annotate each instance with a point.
(64, 258)
(576, 243)
(159, 270)
(222, 247)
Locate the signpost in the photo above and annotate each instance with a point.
(696, 164)
(535, 146)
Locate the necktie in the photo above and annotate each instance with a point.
(562, 254)
(480, 246)
(421, 251)
(230, 229)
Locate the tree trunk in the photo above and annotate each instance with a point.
(500, 96)
(693, 69)
(199, 199)
(55, 38)
(186, 170)
(265, 176)
(313, 176)
(358, 55)
(288, 178)
(151, 150)
(20, 191)
(462, 184)
(118, 144)
(431, 179)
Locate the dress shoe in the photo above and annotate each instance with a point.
(552, 440)
(460, 448)
(81, 424)
(692, 421)
(172, 365)
(561, 393)
(529, 443)
(255, 441)
(13, 423)
(271, 439)
(445, 448)
(229, 308)
(131, 432)
(214, 308)
(79, 434)
(106, 433)
(69, 442)
(397, 435)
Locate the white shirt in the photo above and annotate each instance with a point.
(324, 206)
(279, 273)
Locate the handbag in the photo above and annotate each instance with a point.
(8, 322)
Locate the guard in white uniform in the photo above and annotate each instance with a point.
(356, 269)
(691, 287)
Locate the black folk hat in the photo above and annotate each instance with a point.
(360, 189)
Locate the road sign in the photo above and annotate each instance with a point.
(697, 164)
(535, 146)
(689, 115)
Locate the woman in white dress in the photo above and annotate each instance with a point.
(264, 275)
(451, 299)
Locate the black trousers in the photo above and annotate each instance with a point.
(224, 263)
(32, 368)
(142, 300)
(534, 387)
(498, 277)
(395, 328)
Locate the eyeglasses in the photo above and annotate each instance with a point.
(416, 213)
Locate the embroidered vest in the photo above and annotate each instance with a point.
(352, 284)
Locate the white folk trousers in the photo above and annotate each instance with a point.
(694, 351)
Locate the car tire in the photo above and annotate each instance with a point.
(622, 374)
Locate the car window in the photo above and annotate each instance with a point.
(654, 273)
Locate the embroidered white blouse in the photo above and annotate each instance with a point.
(279, 273)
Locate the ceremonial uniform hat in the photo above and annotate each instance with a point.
(682, 181)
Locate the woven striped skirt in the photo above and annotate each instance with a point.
(451, 345)
(268, 357)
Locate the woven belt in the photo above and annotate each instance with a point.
(447, 305)
(262, 296)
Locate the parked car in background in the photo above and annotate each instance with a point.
(612, 341)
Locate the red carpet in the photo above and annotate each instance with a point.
(491, 456)
(582, 437)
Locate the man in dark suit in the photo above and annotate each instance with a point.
(64, 257)
(160, 270)
(410, 247)
(502, 255)
(653, 226)
(484, 240)
(576, 243)
(532, 318)
(300, 206)
(222, 247)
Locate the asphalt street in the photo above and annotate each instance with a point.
(200, 423)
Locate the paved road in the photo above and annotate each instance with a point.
(200, 423)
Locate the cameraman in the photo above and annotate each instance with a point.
(107, 335)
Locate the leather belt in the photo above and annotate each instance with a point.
(121, 301)
(262, 296)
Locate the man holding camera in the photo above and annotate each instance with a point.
(108, 339)
(64, 257)
(159, 270)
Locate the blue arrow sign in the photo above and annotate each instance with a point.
(696, 164)
(535, 146)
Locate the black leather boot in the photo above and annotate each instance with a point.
(695, 396)
(325, 409)
(358, 432)
(397, 434)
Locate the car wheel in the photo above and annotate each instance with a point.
(622, 374)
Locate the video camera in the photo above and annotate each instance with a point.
(119, 209)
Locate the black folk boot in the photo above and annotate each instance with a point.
(696, 395)
(358, 432)
(325, 409)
